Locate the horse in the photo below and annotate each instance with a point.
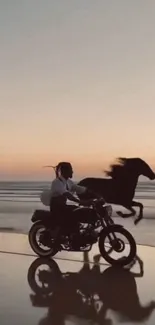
(119, 189)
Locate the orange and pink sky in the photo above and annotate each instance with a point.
(77, 83)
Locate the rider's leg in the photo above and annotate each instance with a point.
(70, 220)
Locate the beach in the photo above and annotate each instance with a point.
(18, 200)
(134, 290)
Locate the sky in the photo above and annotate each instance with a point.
(77, 84)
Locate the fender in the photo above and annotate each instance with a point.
(41, 215)
(111, 228)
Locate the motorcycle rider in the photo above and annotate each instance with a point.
(62, 188)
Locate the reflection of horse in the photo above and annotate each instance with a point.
(120, 294)
(88, 294)
(120, 188)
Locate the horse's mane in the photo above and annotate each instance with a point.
(117, 169)
(124, 166)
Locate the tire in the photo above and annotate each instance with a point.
(34, 245)
(120, 262)
(55, 275)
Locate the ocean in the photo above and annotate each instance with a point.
(18, 200)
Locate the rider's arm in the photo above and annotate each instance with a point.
(82, 189)
(77, 188)
(71, 197)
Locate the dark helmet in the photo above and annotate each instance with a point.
(65, 169)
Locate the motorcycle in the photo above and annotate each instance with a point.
(95, 226)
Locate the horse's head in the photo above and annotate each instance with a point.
(138, 167)
(144, 169)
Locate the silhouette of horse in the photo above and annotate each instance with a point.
(120, 188)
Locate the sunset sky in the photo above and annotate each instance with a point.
(77, 81)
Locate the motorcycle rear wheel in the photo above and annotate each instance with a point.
(42, 252)
(54, 275)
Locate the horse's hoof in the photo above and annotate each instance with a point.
(120, 214)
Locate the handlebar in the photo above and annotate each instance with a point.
(98, 201)
(93, 202)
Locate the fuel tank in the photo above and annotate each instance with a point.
(85, 214)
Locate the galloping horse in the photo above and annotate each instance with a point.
(120, 188)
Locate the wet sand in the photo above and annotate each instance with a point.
(74, 291)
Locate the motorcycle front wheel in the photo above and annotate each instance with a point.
(37, 230)
(111, 242)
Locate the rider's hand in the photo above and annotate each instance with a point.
(102, 200)
(86, 203)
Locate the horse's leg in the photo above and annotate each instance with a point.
(127, 215)
(141, 207)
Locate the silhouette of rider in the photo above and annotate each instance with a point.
(62, 188)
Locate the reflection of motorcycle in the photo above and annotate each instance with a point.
(66, 294)
(87, 293)
(96, 218)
